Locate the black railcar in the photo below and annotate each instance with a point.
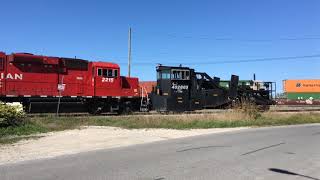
(183, 89)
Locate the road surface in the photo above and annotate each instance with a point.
(291, 152)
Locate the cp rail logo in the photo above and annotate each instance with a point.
(298, 84)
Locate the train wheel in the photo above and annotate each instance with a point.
(95, 108)
(26, 106)
(126, 108)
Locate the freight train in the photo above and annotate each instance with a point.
(58, 84)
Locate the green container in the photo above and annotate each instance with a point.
(303, 96)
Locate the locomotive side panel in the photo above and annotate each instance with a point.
(107, 81)
(74, 83)
(2, 71)
(27, 75)
(75, 78)
(130, 86)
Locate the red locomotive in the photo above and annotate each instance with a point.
(48, 82)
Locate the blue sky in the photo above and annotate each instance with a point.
(196, 33)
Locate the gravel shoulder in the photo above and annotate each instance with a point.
(89, 139)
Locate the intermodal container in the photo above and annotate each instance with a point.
(302, 96)
(304, 85)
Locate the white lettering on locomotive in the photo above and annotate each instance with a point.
(107, 80)
(179, 87)
(11, 76)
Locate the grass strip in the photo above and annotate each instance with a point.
(224, 120)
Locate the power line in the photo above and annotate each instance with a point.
(233, 61)
(228, 38)
(138, 57)
(264, 59)
(302, 38)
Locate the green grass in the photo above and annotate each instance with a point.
(224, 120)
(26, 129)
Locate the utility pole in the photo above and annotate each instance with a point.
(129, 52)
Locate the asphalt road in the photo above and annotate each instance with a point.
(264, 153)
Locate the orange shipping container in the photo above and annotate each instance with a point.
(305, 85)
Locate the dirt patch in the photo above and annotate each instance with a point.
(90, 138)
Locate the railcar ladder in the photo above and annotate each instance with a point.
(144, 104)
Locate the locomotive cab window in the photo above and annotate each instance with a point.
(187, 75)
(99, 72)
(105, 72)
(1, 63)
(178, 74)
(164, 74)
(108, 72)
(115, 73)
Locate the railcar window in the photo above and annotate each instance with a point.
(99, 72)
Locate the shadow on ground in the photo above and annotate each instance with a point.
(282, 171)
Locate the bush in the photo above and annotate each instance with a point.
(10, 116)
(250, 109)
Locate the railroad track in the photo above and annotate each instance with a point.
(132, 114)
(276, 108)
